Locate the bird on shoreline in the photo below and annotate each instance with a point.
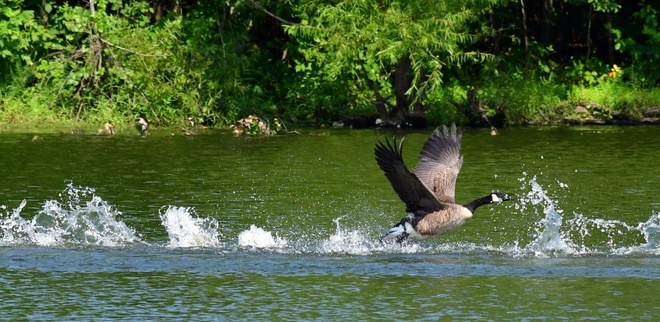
(108, 129)
(428, 192)
(142, 125)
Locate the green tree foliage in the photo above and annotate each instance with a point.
(111, 60)
(20, 33)
(642, 48)
(545, 51)
(217, 61)
(388, 53)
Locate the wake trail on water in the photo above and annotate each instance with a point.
(82, 218)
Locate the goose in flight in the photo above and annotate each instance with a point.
(429, 191)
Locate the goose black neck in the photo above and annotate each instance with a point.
(476, 203)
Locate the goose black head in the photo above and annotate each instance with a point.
(494, 197)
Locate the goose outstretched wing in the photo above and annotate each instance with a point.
(440, 162)
(411, 190)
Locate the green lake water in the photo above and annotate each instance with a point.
(213, 227)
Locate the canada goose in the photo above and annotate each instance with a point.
(429, 192)
(142, 125)
(108, 129)
(190, 127)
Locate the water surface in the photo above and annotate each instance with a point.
(212, 227)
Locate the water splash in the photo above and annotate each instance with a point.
(548, 237)
(351, 242)
(259, 238)
(579, 235)
(184, 230)
(80, 217)
(553, 234)
(342, 241)
(651, 231)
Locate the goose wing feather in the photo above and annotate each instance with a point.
(417, 197)
(440, 162)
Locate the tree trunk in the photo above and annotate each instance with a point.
(400, 114)
(546, 23)
(591, 13)
(381, 104)
(610, 41)
(524, 27)
(402, 83)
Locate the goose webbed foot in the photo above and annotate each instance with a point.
(400, 238)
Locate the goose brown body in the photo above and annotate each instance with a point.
(443, 221)
(428, 192)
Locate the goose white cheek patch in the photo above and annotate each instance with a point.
(495, 198)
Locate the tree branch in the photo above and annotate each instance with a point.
(258, 6)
